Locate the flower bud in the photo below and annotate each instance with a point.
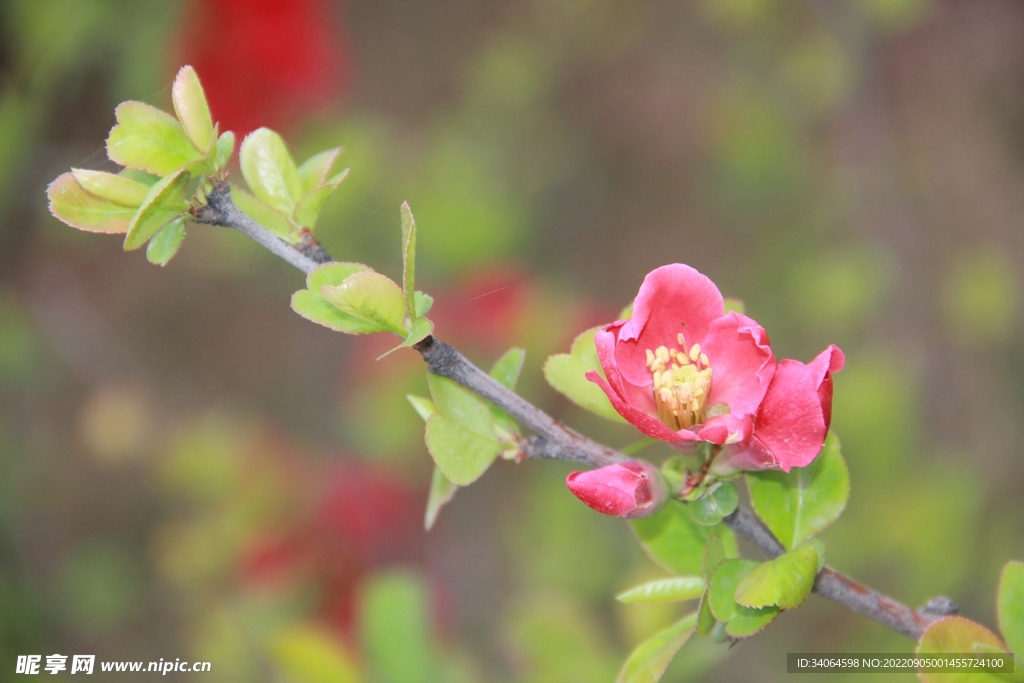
(632, 489)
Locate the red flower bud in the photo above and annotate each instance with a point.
(632, 490)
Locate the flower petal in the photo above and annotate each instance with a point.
(649, 425)
(742, 364)
(796, 413)
(674, 298)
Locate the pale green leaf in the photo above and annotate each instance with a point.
(749, 621)
(1010, 604)
(705, 619)
(957, 635)
(741, 621)
(408, 257)
(507, 368)
(441, 493)
(112, 187)
(261, 212)
(147, 179)
(70, 203)
(225, 148)
(798, 505)
(148, 139)
(784, 582)
(424, 406)
(722, 587)
(461, 455)
(423, 304)
(333, 273)
(191, 108)
(675, 589)
(674, 540)
(165, 242)
(164, 202)
(715, 553)
(313, 306)
(461, 405)
(648, 661)
(316, 169)
(269, 170)
(371, 297)
(307, 209)
(418, 331)
(719, 501)
(566, 373)
(310, 654)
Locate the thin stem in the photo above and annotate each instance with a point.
(220, 210)
(554, 440)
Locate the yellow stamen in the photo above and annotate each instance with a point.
(682, 382)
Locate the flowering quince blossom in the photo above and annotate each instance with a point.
(632, 489)
(683, 371)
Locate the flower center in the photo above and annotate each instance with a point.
(682, 381)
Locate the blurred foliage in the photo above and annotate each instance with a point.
(189, 469)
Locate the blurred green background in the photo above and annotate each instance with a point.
(188, 469)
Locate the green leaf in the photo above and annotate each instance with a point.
(741, 621)
(648, 661)
(148, 139)
(749, 621)
(423, 304)
(225, 148)
(147, 179)
(674, 540)
(316, 169)
(333, 274)
(307, 209)
(269, 170)
(1010, 604)
(462, 455)
(722, 587)
(461, 405)
(165, 242)
(408, 257)
(424, 406)
(676, 589)
(261, 212)
(165, 201)
(566, 373)
(715, 553)
(418, 331)
(718, 502)
(371, 297)
(705, 619)
(191, 108)
(800, 504)
(70, 203)
(507, 368)
(784, 582)
(309, 654)
(112, 187)
(313, 306)
(441, 493)
(957, 635)
(395, 625)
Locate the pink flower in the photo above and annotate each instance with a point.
(633, 489)
(682, 370)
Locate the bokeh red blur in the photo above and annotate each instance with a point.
(266, 62)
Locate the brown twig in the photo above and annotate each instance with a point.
(554, 440)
